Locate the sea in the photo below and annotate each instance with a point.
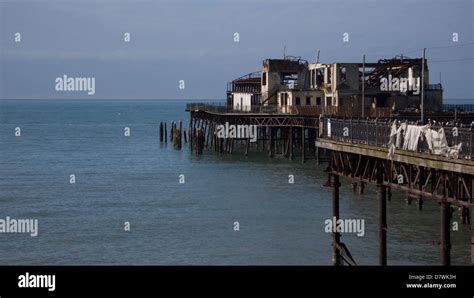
(103, 197)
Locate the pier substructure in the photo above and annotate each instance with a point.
(449, 182)
(280, 134)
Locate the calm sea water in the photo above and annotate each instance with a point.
(136, 179)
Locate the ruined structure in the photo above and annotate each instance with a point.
(292, 84)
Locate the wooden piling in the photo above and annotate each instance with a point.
(180, 134)
(302, 145)
(161, 131)
(361, 187)
(171, 131)
(271, 145)
(316, 152)
(420, 188)
(354, 186)
(190, 131)
(291, 143)
(247, 147)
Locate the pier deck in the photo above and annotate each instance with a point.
(358, 151)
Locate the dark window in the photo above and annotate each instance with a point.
(284, 99)
(289, 79)
(308, 101)
(297, 101)
(328, 101)
(319, 77)
(318, 101)
(264, 78)
(343, 73)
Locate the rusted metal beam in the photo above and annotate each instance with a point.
(445, 244)
(382, 198)
(336, 257)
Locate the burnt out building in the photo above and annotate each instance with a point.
(356, 89)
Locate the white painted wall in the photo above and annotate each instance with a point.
(242, 101)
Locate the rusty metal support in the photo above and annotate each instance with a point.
(336, 256)
(472, 235)
(445, 208)
(445, 245)
(382, 197)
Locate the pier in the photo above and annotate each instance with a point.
(398, 137)
(357, 150)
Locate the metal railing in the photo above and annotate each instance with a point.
(434, 87)
(308, 111)
(458, 107)
(377, 133)
(223, 109)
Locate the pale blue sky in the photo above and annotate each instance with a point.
(193, 41)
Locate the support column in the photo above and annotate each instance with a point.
(316, 150)
(302, 145)
(336, 257)
(291, 143)
(361, 187)
(190, 131)
(382, 197)
(445, 234)
(471, 210)
(161, 131)
(271, 146)
(420, 188)
(445, 214)
(471, 219)
(247, 147)
(354, 186)
(284, 142)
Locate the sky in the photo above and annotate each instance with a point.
(194, 41)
